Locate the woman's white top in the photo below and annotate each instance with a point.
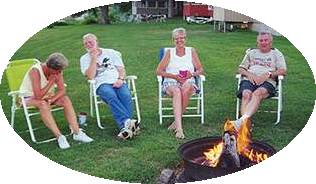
(26, 86)
(177, 63)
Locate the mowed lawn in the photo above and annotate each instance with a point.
(143, 158)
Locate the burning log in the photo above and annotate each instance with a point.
(235, 142)
(229, 156)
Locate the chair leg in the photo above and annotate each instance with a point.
(198, 106)
(160, 105)
(13, 108)
(91, 102)
(202, 102)
(202, 109)
(136, 100)
(28, 121)
(97, 113)
(237, 107)
(279, 111)
(137, 108)
(278, 118)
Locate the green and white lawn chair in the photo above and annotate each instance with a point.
(15, 73)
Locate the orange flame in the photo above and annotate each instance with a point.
(243, 141)
(243, 137)
(212, 155)
(255, 156)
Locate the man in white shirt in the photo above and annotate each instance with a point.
(260, 69)
(106, 67)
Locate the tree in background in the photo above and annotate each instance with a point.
(106, 14)
(104, 18)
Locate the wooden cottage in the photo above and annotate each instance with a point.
(170, 8)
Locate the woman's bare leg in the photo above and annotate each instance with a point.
(69, 113)
(187, 91)
(46, 115)
(175, 92)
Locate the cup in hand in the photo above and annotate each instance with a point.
(183, 73)
(82, 118)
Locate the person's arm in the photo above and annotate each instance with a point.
(280, 65)
(197, 65)
(280, 71)
(91, 71)
(121, 77)
(61, 90)
(121, 71)
(39, 92)
(243, 69)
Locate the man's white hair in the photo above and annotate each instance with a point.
(265, 33)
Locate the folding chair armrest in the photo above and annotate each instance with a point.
(159, 78)
(17, 93)
(131, 77)
(92, 81)
(13, 93)
(238, 76)
(202, 77)
(280, 77)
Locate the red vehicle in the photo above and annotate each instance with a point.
(197, 10)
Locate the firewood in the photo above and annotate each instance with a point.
(229, 156)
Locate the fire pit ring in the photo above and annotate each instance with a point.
(192, 153)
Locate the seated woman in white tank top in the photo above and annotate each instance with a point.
(179, 66)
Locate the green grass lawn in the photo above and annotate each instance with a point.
(143, 158)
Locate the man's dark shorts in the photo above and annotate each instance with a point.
(246, 84)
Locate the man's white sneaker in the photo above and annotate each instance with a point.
(62, 142)
(130, 124)
(82, 137)
(137, 128)
(237, 123)
(125, 134)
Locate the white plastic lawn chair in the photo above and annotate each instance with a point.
(193, 111)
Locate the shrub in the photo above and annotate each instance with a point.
(57, 23)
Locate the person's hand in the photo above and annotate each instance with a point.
(253, 79)
(189, 75)
(53, 78)
(179, 79)
(261, 79)
(49, 100)
(93, 54)
(118, 83)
